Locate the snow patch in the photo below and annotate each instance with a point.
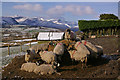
(31, 43)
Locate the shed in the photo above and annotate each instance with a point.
(6, 35)
(50, 36)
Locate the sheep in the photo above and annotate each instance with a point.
(81, 48)
(31, 55)
(66, 42)
(92, 48)
(44, 69)
(70, 34)
(51, 45)
(90, 45)
(59, 50)
(29, 67)
(78, 56)
(49, 57)
(100, 50)
(37, 47)
(51, 48)
(67, 33)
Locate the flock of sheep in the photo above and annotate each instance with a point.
(40, 60)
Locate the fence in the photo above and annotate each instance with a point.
(21, 47)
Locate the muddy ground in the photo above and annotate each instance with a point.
(99, 68)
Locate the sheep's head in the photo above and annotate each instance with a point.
(68, 30)
(28, 56)
(28, 52)
(56, 64)
(40, 52)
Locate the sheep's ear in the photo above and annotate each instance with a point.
(28, 51)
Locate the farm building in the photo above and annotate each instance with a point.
(50, 36)
(6, 35)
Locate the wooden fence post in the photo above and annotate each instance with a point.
(109, 31)
(116, 31)
(112, 31)
(20, 47)
(30, 44)
(8, 49)
(90, 33)
(104, 32)
(101, 32)
(97, 33)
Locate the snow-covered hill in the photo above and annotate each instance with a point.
(9, 20)
(38, 21)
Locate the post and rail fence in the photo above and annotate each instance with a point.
(21, 48)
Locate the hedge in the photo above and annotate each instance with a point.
(97, 24)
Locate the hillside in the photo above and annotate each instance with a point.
(38, 21)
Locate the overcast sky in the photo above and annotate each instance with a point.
(71, 11)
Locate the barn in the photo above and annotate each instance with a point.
(50, 36)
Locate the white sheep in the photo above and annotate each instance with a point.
(90, 45)
(37, 47)
(92, 48)
(100, 49)
(77, 56)
(29, 67)
(81, 48)
(44, 69)
(59, 50)
(49, 57)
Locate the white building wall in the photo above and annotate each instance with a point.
(50, 35)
